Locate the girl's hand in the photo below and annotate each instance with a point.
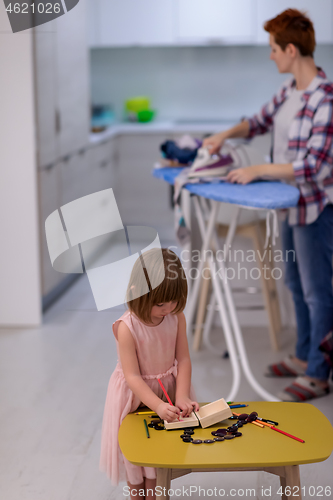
(214, 143)
(167, 412)
(186, 405)
(244, 175)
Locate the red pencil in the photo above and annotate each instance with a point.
(165, 392)
(286, 434)
(166, 395)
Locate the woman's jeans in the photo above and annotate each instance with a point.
(309, 278)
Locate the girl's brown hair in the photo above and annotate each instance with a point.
(161, 267)
(293, 26)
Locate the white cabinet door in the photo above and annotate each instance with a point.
(221, 21)
(142, 199)
(319, 11)
(73, 100)
(49, 188)
(135, 22)
(75, 180)
(100, 166)
(46, 92)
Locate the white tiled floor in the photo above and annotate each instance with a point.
(53, 382)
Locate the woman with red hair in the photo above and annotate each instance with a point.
(300, 116)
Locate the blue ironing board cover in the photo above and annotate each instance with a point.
(260, 194)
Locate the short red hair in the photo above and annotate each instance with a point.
(293, 26)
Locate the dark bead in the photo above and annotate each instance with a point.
(238, 434)
(196, 441)
(240, 424)
(242, 416)
(219, 438)
(209, 441)
(229, 429)
(221, 431)
(159, 427)
(151, 425)
(188, 432)
(187, 439)
(229, 437)
(233, 417)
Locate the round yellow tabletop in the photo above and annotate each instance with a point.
(257, 447)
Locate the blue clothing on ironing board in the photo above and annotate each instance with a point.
(173, 152)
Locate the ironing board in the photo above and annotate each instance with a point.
(268, 195)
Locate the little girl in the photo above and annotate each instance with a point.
(151, 343)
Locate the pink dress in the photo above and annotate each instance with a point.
(156, 348)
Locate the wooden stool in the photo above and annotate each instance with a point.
(255, 231)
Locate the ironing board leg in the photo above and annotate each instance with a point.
(190, 310)
(201, 311)
(209, 321)
(186, 209)
(227, 331)
(240, 343)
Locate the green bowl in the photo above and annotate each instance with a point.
(146, 115)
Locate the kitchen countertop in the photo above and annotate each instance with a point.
(168, 126)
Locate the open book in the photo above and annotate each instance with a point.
(209, 414)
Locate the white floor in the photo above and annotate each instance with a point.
(53, 382)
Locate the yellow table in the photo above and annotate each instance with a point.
(258, 449)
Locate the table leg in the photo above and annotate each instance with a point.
(163, 481)
(290, 483)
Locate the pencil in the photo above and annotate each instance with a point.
(146, 427)
(264, 423)
(286, 434)
(165, 392)
(238, 406)
(257, 423)
(272, 422)
(150, 412)
(167, 395)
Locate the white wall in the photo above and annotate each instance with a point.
(19, 252)
(191, 82)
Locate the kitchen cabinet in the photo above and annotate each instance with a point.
(142, 199)
(49, 201)
(319, 11)
(62, 85)
(133, 22)
(215, 21)
(80, 174)
(73, 91)
(123, 23)
(46, 92)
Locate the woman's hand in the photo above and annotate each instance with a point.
(167, 412)
(214, 142)
(186, 405)
(244, 175)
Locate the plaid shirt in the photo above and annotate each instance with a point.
(311, 140)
